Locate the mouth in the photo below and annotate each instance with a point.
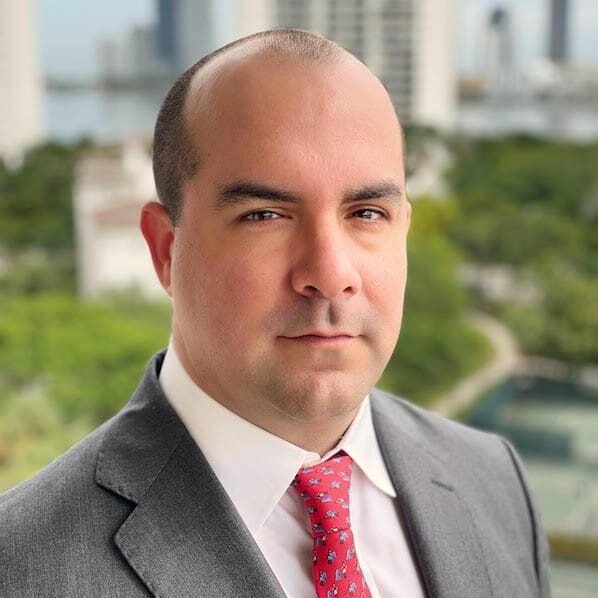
(322, 339)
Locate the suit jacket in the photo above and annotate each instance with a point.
(135, 510)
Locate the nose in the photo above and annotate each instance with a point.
(326, 266)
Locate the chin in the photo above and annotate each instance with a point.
(323, 395)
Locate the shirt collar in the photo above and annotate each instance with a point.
(245, 456)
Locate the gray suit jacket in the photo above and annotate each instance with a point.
(135, 510)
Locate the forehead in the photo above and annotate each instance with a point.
(255, 112)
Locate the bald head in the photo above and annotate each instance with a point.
(246, 66)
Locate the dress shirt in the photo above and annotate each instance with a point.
(256, 468)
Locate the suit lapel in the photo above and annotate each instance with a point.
(438, 521)
(184, 537)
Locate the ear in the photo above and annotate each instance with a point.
(158, 230)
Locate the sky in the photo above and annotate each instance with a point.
(69, 31)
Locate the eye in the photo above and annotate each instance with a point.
(260, 215)
(370, 214)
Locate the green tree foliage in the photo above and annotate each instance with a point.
(566, 326)
(524, 200)
(35, 272)
(87, 358)
(35, 199)
(533, 204)
(32, 433)
(436, 346)
(65, 367)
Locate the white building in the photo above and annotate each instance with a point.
(110, 189)
(434, 64)
(409, 44)
(20, 82)
(250, 16)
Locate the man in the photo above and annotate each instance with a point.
(281, 239)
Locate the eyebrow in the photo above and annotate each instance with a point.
(383, 190)
(242, 192)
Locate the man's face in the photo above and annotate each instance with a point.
(289, 260)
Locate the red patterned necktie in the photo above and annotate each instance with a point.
(324, 490)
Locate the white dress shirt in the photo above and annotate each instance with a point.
(256, 468)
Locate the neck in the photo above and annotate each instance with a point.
(314, 435)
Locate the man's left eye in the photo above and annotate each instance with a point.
(370, 214)
(260, 215)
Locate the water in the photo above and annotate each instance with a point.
(105, 116)
(110, 116)
(544, 119)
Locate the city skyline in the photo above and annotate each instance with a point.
(70, 29)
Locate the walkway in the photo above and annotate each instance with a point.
(505, 361)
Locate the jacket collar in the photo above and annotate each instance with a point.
(184, 536)
(439, 523)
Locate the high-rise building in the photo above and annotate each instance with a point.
(20, 80)
(141, 49)
(189, 29)
(558, 39)
(166, 41)
(500, 39)
(499, 72)
(131, 56)
(112, 60)
(433, 58)
(195, 31)
(409, 44)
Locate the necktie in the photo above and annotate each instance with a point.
(324, 490)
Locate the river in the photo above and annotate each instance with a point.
(109, 116)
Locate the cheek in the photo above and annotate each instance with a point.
(386, 277)
(239, 292)
(389, 294)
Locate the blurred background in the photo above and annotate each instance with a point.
(500, 105)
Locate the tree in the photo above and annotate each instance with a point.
(36, 199)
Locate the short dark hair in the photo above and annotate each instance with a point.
(175, 159)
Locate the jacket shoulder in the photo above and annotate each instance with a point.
(56, 528)
(70, 470)
(482, 467)
(435, 432)
(485, 470)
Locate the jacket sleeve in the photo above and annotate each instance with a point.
(541, 549)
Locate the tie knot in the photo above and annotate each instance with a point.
(324, 490)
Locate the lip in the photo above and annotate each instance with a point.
(320, 339)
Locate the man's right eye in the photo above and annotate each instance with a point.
(260, 215)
